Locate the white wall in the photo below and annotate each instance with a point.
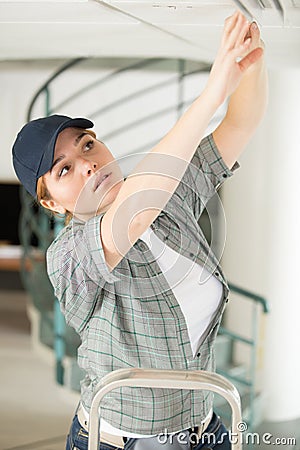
(282, 278)
(263, 244)
(18, 82)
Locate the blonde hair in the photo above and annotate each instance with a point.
(43, 193)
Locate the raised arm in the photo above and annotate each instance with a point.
(147, 190)
(246, 107)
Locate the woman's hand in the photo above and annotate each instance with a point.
(153, 181)
(240, 48)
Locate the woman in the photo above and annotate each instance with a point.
(132, 270)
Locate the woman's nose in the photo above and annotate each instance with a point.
(88, 167)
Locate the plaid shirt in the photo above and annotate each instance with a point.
(130, 317)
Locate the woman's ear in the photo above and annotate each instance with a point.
(53, 206)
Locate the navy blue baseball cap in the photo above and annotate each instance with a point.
(33, 150)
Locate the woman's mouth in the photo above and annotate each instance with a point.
(100, 180)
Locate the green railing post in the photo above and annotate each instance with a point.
(47, 101)
(59, 342)
(59, 324)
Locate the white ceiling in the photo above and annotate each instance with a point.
(168, 28)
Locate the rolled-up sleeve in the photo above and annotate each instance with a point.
(207, 171)
(77, 270)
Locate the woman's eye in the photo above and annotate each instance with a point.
(88, 146)
(64, 171)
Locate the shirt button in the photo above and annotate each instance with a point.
(217, 274)
(227, 300)
(224, 175)
(198, 354)
(192, 255)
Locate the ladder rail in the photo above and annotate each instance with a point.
(166, 379)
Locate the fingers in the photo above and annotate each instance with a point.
(243, 30)
(235, 29)
(230, 22)
(254, 32)
(251, 58)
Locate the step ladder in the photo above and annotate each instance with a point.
(166, 379)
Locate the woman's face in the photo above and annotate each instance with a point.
(85, 177)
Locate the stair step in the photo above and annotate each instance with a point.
(257, 413)
(220, 401)
(223, 350)
(224, 410)
(237, 374)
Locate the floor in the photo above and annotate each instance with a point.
(35, 412)
(284, 435)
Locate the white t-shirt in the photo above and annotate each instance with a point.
(196, 290)
(198, 293)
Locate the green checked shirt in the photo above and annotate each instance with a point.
(130, 317)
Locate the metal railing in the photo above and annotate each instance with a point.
(258, 304)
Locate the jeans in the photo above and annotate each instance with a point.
(215, 437)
